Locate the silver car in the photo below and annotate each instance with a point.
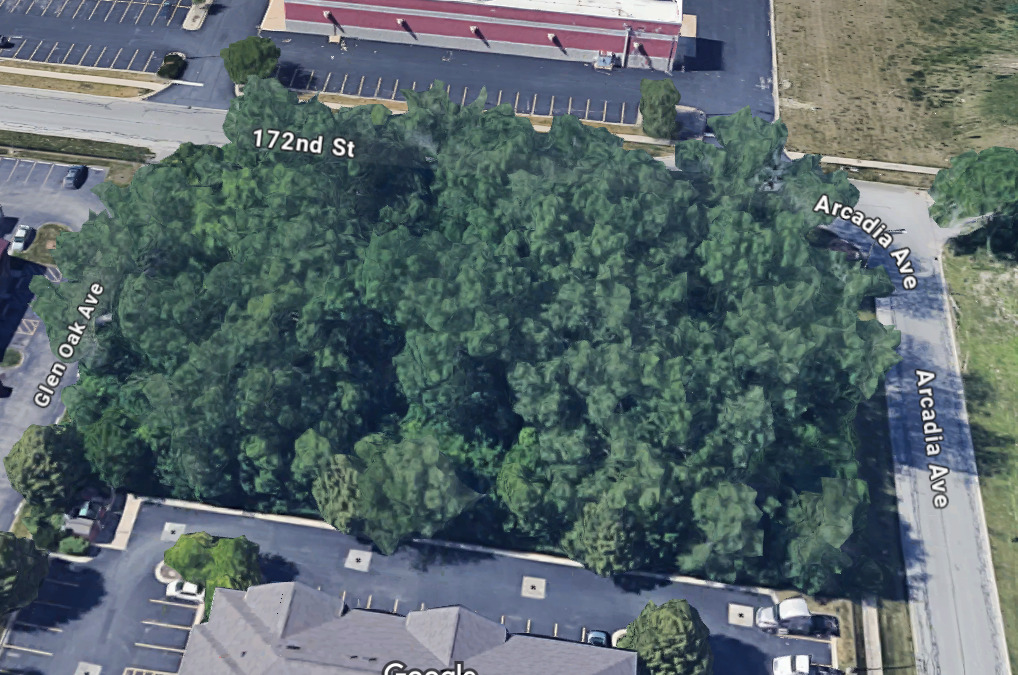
(20, 240)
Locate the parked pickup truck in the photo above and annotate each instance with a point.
(801, 665)
(792, 617)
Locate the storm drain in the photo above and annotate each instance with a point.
(87, 669)
(740, 615)
(533, 587)
(358, 560)
(172, 531)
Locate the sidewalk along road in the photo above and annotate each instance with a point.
(871, 164)
(955, 609)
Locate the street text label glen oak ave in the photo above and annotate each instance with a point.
(75, 332)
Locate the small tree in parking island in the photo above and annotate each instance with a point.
(215, 562)
(250, 56)
(658, 99)
(670, 640)
(22, 570)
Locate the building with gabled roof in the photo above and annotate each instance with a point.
(291, 629)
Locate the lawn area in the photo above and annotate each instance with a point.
(986, 293)
(12, 357)
(74, 146)
(74, 86)
(41, 249)
(897, 80)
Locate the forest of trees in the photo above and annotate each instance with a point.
(477, 331)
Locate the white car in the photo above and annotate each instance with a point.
(20, 238)
(183, 590)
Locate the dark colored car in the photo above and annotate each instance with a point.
(75, 177)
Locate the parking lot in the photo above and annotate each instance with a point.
(41, 639)
(116, 616)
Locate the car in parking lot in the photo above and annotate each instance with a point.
(184, 590)
(75, 176)
(20, 240)
(599, 638)
(800, 665)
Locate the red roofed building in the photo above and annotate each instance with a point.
(632, 33)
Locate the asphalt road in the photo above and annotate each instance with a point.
(31, 193)
(732, 69)
(106, 617)
(955, 610)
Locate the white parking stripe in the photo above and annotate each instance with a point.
(80, 4)
(50, 55)
(68, 53)
(150, 56)
(34, 164)
(138, 18)
(19, 49)
(87, 47)
(159, 647)
(36, 49)
(44, 9)
(13, 169)
(114, 61)
(45, 180)
(99, 57)
(132, 58)
(126, 10)
(26, 649)
(113, 5)
(97, 3)
(166, 625)
(155, 17)
(173, 13)
(61, 10)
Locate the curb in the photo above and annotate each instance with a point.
(82, 559)
(774, 63)
(519, 555)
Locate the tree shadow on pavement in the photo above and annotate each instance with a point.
(423, 556)
(275, 568)
(733, 657)
(639, 582)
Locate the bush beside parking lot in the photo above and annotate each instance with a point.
(173, 66)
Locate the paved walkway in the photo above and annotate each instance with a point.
(83, 77)
(869, 164)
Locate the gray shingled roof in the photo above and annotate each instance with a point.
(291, 629)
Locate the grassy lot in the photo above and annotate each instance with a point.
(41, 250)
(73, 146)
(898, 80)
(74, 86)
(986, 293)
(12, 357)
(896, 638)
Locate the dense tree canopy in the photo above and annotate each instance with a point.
(670, 639)
(215, 562)
(23, 567)
(643, 368)
(47, 466)
(981, 191)
(658, 99)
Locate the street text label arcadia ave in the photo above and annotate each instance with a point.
(75, 332)
(876, 230)
(933, 436)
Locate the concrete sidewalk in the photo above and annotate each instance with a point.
(870, 164)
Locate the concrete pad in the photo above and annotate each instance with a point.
(533, 587)
(740, 615)
(87, 669)
(172, 531)
(359, 561)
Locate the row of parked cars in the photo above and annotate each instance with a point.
(793, 617)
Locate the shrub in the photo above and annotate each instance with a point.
(172, 67)
(74, 545)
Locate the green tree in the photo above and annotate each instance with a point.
(23, 567)
(978, 192)
(729, 522)
(45, 526)
(335, 492)
(215, 562)
(47, 466)
(658, 99)
(252, 56)
(670, 639)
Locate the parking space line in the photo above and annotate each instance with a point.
(85, 53)
(114, 61)
(173, 13)
(126, 10)
(34, 164)
(68, 53)
(26, 649)
(15, 7)
(166, 625)
(44, 9)
(583, 635)
(61, 10)
(19, 49)
(36, 49)
(132, 58)
(326, 85)
(99, 57)
(499, 98)
(343, 86)
(2, 3)
(586, 113)
(159, 647)
(29, 8)
(80, 4)
(97, 3)
(368, 606)
(360, 87)
(13, 169)
(171, 604)
(155, 17)
(516, 103)
(38, 627)
(422, 606)
(113, 5)
(807, 637)
(144, 6)
(57, 581)
(343, 599)
(145, 69)
(50, 55)
(131, 670)
(554, 632)
(464, 101)
(528, 625)
(395, 606)
(28, 326)
(44, 180)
